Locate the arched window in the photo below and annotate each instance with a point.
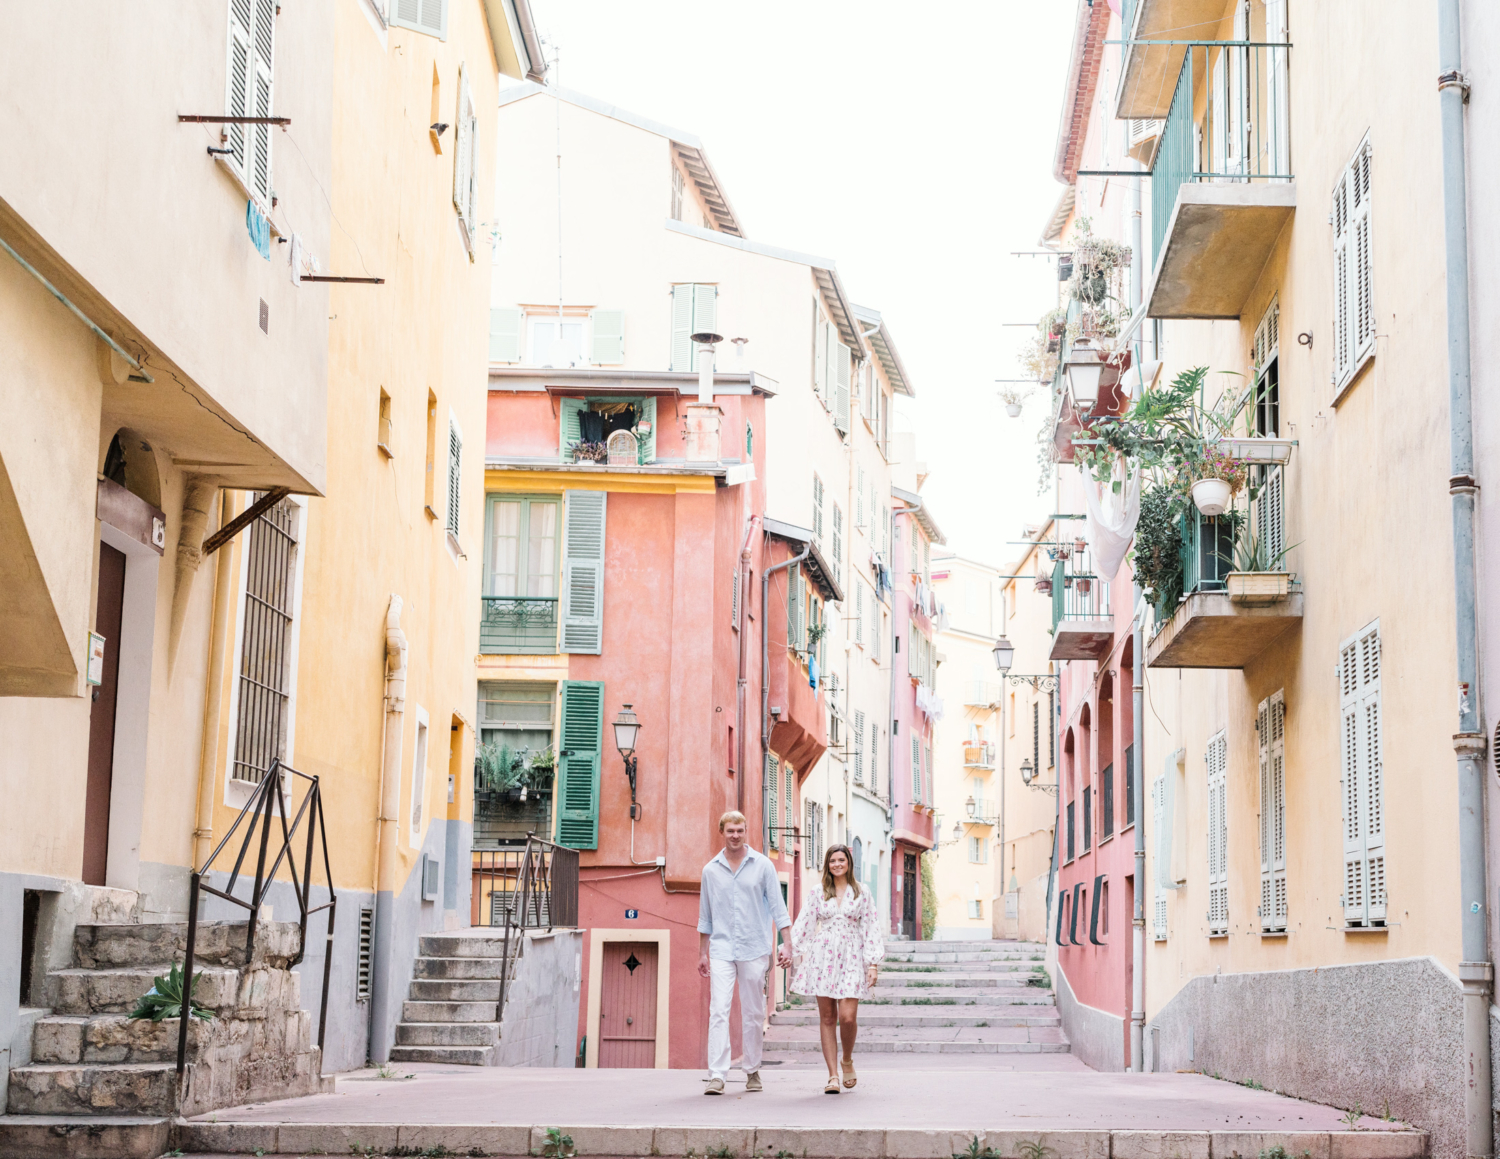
(859, 873)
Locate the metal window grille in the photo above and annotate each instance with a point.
(265, 675)
(366, 949)
(1107, 799)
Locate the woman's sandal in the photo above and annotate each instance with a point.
(850, 1078)
(832, 1086)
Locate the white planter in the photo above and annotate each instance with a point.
(1211, 496)
(1013, 409)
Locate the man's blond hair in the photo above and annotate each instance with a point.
(733, 817)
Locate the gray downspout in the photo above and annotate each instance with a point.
(1137, 730)
(890, 732)
(765, 687)
(1475, 971)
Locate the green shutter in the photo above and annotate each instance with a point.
(505, 334)
(578, 786)
(583, 572)
(682, 326)
(609, 337)
(794, 608)
(568, 429)
(646, 447)
(705, 311)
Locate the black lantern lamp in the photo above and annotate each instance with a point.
(626, 729)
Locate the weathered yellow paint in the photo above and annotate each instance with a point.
(555, 482)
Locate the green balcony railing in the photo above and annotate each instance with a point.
(1077, 593)
(518, 624)
(1227, 123)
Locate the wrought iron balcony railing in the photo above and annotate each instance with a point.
(525, 624)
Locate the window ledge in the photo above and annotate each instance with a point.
(1213, 937)
(386, 450)
(1340, 393)
(1367, 929)
(1274, 933)
(239, 183)
(431, 514)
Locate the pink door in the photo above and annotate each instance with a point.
(627, 1005)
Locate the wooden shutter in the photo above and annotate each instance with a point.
(817, 519)
(608, 348)
(1342, 353)
(859, 747)
(1362, 784)
(1218, 833)
(1363, 322)
(1271, 727)
(842, 371)
(505, 334)
(916, 768)
(734, 599)
(682, 326)
(646, 447)
(455, 475)
(429, 16)
(773, 779)
(820, 353)
(581, 743)
(838, 539)
(239, 78)
(569, 431)
(1163, 857)
(859, 614)
(262, 78)
(583, 572)
(465, 183)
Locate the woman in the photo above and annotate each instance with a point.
(838, 938)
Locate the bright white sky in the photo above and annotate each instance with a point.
(912, 144)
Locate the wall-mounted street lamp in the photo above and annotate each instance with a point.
(1004, 653)
(626, 728)
(1029, 778)
(970, 805)
(1084, 367)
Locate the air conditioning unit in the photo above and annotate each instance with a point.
(1141, 139)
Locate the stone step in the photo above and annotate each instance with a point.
(996, 1000)
(870, 1045)
(119, 990)
(125, 1089)
(457, 1055)
(60, 1039)
(466, 944)
(95, 1137)
(455, 990)
(1000, 983)
(215, 944)
(924, 1016)
(414, 1011)
(447, 1033)
(952, 964)
(455, 968)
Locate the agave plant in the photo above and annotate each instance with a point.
(1252, 553)
(165, 998)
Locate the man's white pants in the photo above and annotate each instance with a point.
(751, 978)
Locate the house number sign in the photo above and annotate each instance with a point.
(632, 914)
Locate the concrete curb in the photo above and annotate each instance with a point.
(727, 1142)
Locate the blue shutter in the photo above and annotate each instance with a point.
(581, 745)
(583, 572)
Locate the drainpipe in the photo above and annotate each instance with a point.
(386, 852)
(896, 513)
(1475, 970)
(1137, 718)
(741, 682)
(765, 684)
(213, 701)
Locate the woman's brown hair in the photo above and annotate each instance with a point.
(829, 889)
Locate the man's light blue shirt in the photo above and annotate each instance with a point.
(736, 909)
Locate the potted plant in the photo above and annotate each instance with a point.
(541, 770)
(1044, 584)
(1257, 576)
(1085, 585)
(584, 452)
(1013, 396)
(1215, 479)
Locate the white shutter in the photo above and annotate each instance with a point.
(429, 16)
(1237, 119)
(794, 608)
(258, 164)
(820, 352)
(838, 539)
(682, 326)
(1270, 514)
(505, 334)
(239, 76)
(1272, 728)
(465, 185)
(916, 768)
(830, 372)
(1354, 304)
(1362, 778)
(1341, 251)
(455, 475)
(608, 348)
(773, 797)
(859, 747)
(817, 519)
(1218, 830)
(859, 614)
(705, 310)
(841, 388)
(583, 572)
(1158, 823)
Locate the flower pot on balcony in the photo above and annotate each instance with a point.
(1085, 586)
(1080, 545)
(1013, 409)
(1044, 586)
(1258, 587)
(1212, 496)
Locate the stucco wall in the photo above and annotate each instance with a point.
(542, 1001)
(1096, 1036)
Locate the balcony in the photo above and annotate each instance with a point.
(1157, 30)
(1082, 625)
(1227, 617)
(979, 756)
(981, 694)
(518, 625)
(1221, 186)
(981, 811)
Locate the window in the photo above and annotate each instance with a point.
(916, 768)
(455, 474)
(1103, 896)
(859, 862)
(1268, 479)
(817, 509)
(1159, 869)
(248, 92)
(429, 16)
(515, 726)
(811, 813)
(1129, 785)
(519, 612)
(418, 783)
(795, 633)
(1107, 801)
(1088, 818)
(773, 799)
(465, 159)
(677, 191)
(874, 757)
(838, 540)
(383, 426)
(1270, 726)
(859, 746)
(267, 670)
(976, 909)
(789, 798)
(586, 426)
(583, 572)
(978, 850)
(1362, 777)
(1218, 836)
(695, 310)
(1071, 847)
(1353, 304)
(430, 485)
(556, 344)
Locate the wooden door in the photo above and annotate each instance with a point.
(627, 1005)
(107, 617)
(909, 894)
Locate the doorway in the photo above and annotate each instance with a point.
(627, 1005)
(108, 614)
(909, 894)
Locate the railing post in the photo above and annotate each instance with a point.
(187, 974)
(260, 865)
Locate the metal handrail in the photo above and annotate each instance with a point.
(544, 866)
(261, 801)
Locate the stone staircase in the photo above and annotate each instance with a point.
(452, 1012)
(940, 998)
(100, 1085)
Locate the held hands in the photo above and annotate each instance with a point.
(784, 955)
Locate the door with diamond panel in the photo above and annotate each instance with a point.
(627, 1005)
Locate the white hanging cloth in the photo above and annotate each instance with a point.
(1111, 518)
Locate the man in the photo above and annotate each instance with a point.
(739, 900)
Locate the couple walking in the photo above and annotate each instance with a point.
(836, 946)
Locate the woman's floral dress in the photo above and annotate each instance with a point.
(836, 941)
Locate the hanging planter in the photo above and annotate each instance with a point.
(1044, 585)
(1212, 496)
(1013, 409)
(1080, 545)
(1085, 586)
